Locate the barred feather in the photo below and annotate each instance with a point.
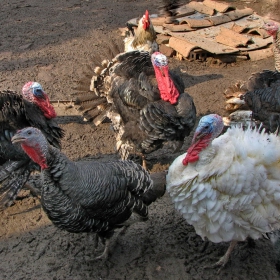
(90, 196)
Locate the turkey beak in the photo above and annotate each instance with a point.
(17, 139)
(40, 94)
(197, 136)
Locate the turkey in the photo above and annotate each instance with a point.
(32, 107)
(146, 102)
(261, 93)
(89, 196)
(228, 187)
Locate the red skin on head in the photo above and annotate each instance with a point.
(146, 20)
(196, 148)
(272, 29)
(202, 138)
(45, 105)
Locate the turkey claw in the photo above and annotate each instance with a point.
(221, 263)
(104, 255)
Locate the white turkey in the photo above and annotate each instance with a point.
(30, 108)
(228, 187)
(89, 196)
(261, 93)
(145, 102)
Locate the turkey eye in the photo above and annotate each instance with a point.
(29, 132)
(206, 127)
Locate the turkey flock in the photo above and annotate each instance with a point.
(227, 184)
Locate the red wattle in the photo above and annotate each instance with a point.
(195, 149)
(167, 89)
(46, 107)
(35, 156)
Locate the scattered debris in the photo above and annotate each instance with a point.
(210, 28)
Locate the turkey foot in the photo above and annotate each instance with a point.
(105, 254)
(107, 243)
(224, 259)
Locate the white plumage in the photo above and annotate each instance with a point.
(233, 190)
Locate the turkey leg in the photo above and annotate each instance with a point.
(224, 259)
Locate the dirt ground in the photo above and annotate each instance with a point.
(51, 42)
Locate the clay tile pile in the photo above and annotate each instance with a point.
(200, 29)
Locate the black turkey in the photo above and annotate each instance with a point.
(31, 108)
(89, 196)
(145, 102)
(261, 93)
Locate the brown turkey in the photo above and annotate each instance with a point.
(90, 196)
(145, 102)
(31, 108)
(261, 93)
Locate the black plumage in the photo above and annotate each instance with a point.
(16, 112)
(261, 95)
(89, 196)
(263, 98)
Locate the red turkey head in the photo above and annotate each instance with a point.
(146, 20)
(34, 143)
(271, 28)
(33, 92)
(167, 88)
(209, 127)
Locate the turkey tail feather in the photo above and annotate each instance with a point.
(13, 176)
(158, 189)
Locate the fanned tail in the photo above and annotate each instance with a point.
(234, 95)
(90, 96)
(13, 176)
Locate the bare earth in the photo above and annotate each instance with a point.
(52, 42)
